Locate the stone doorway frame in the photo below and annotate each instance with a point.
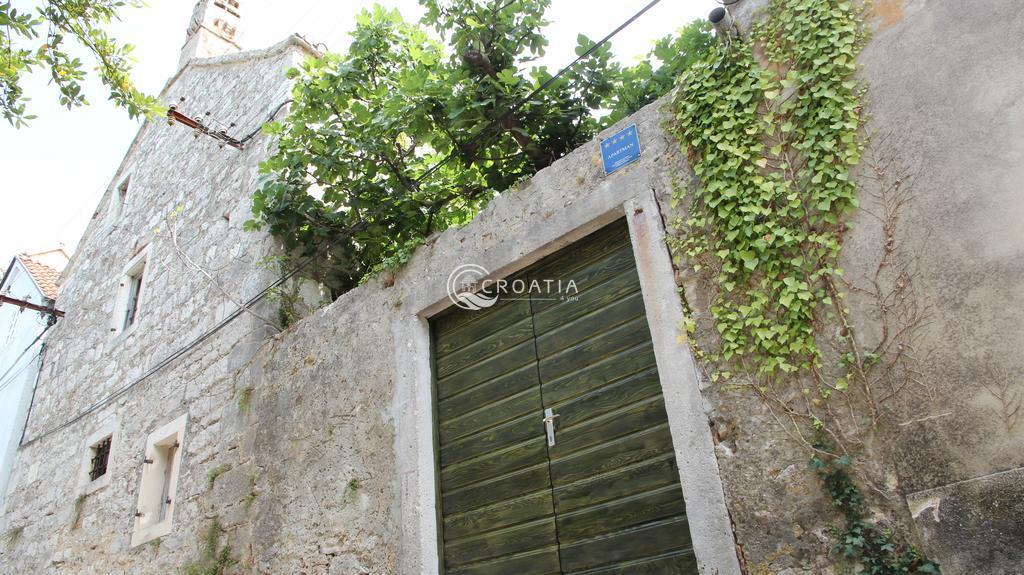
(416, 445)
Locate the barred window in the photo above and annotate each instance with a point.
(100, 458)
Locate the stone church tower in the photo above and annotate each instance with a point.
(215, 30)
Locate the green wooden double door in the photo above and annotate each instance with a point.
(600, 493)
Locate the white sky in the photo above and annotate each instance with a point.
(53, 173)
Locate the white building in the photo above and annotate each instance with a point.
(29, 279)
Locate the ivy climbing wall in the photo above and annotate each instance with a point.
(852, 267)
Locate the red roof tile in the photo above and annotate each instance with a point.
(44, 276)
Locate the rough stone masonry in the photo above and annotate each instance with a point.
(312, 449)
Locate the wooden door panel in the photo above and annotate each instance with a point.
(505, 362)
(542, 561)
(637, 543)
(493, 413)
(490, 465)
(608, 428)
(598, 374)
(648, 475)
(594, 349)
(605, 498)
(610, 456)
(644, 507)
(596, 324)
(619, 505)
(497, 542)
(492, 439)
(672, 563)
(484, 322)
(496, 489)
(485, 347)
(589, 299)
(610, 397)
(502, 514)
(482, 394)
(495, 486)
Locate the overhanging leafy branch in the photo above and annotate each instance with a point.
(358, 174)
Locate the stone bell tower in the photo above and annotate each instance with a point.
(214, 30)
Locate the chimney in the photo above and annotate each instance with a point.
(213, 30)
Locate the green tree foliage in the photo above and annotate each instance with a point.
(653, 77)
(41, 39)
(356, 176)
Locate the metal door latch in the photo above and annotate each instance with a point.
(549, 425)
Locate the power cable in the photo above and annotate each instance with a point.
(295, 270)
(90, 200)
(179, 353)
(14, 376)
(270, 118)
(20, 355)
(523, 101)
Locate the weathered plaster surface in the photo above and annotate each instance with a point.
(946, 86)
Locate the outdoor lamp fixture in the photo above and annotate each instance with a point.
(723, 24)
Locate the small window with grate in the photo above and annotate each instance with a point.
(100, 458)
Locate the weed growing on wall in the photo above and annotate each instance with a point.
(250, 497)
(13, 535)
(213, 559)
(874, 549)
(213, 474)
(79, 509)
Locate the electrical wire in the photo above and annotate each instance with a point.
(179, 353)
(23, 352)
(270, 118)
(523, 101)
(3, 377)
(299, 267)
(14, 376)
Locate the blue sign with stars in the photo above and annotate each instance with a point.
(620, 149)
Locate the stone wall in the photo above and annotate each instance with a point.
(318, 441)
(945, 89)
(176, 181)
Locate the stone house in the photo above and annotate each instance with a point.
(395, 431)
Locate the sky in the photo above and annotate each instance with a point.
(54, 172)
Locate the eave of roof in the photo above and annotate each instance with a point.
(42, 275)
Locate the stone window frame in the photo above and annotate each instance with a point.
(139, 263)
(158, 482)
(118, 201)
(710, 523)
(108, 430)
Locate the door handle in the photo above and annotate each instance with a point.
(549, 425)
